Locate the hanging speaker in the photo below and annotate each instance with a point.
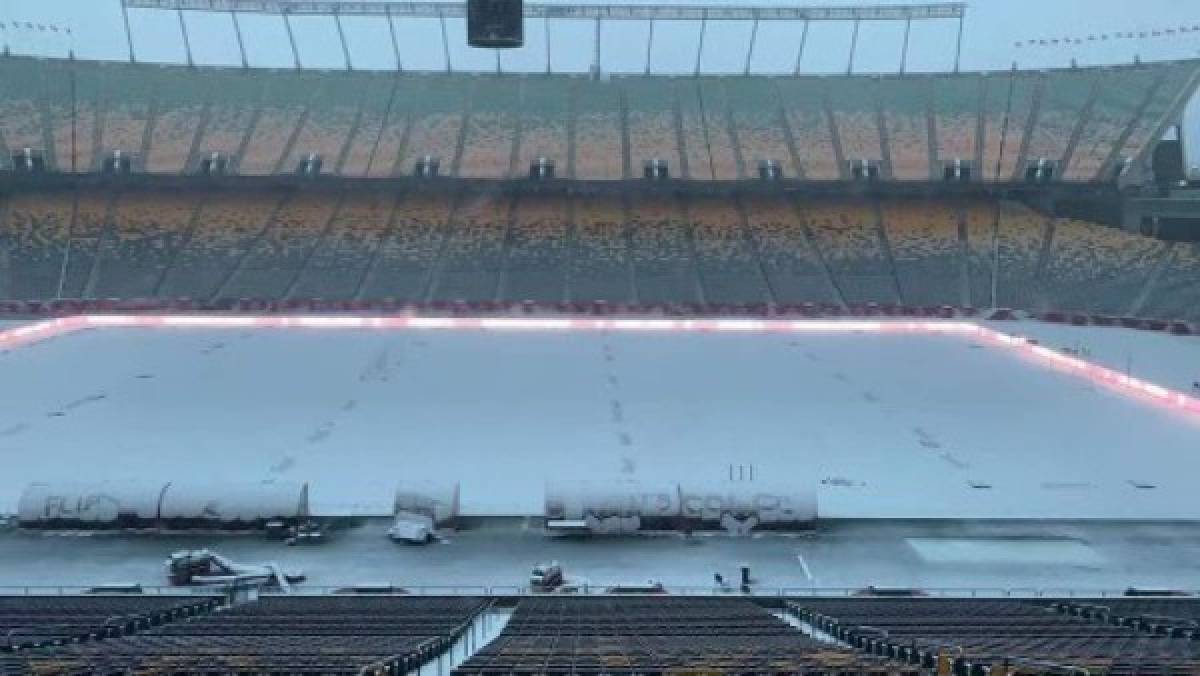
(495, 24)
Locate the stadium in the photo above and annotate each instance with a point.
(596, 370)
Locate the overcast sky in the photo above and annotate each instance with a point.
(991, 31)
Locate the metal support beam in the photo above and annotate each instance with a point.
(128, 33)
(287, 23)
(546, 28)
(632, 12)
(649, 45)
(337, 20)
(596, 54)
(958, 43)
(497, 52)
(445, 42)
(904, 50)
(750, 49)
(395, 44)
(700, 45)
(237, 29)
(187, 44)
(803, 42)
(853, 48)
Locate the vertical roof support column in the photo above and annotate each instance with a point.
(546, 30)
(337, 20)
(445, 40)
(395, 45)
(750, 49)
(803, 42)
(649, 46)
(187, 43)
(853, 47)
(904, 50)
(128, 33)
(958, 43)
(237, 30)
(596, 52)
(287, 23)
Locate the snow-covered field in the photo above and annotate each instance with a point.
(1163, 358)
(885, 425)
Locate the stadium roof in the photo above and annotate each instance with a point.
(701, 30)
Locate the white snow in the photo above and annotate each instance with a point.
(1160, 357)
(887, 426)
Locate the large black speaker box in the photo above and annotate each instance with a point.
(1167, 162)
(495, 23)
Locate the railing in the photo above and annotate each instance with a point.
(588, 590)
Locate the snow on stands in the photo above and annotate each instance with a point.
(887, 419)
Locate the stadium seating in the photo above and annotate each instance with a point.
(402, 265)
(90, 225)
(807, 118)
(275, 259)
(473, 251)
(336, 266)
(536, 264)
(856, 118)
(373, 146)
(491, 130)
(1179, 617)
(437, 115)
(794, 270)
(711, 151)
(277, 121)
(661, 248)
(326, 635)
(1004, 238)
(36, 226)
(148, 229)
(337, 634)
(599, 266)
(1007, 112)
(232, 117)
(652, 125)
(35, 621)
(598, 131)
(1063, 99)
(227, 226)
(1119, 93)
(375, 124)
(975, 634)
(906, 121)
(1079, 270)
(727, 263)
(848, 234)
(955, 118)
(328, 122)
(543, 132)
(927, 251)
(1176, 294)
(656, 635)
(757, 118)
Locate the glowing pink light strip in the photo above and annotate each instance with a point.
(1126, 385)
